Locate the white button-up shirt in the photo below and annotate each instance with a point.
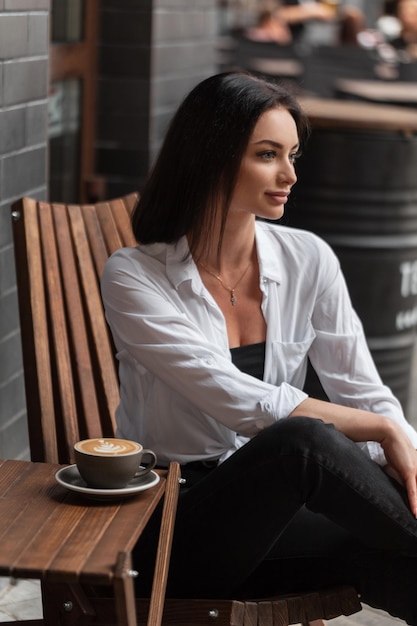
(182, 396)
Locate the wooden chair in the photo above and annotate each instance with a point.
(72, 390)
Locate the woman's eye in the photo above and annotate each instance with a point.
(294, 156)
(268, 155)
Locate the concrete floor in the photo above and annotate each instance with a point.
(19, 601)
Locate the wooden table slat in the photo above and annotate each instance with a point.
(131, 520)
(17, 479)
(25, 505)
(38, 535)
(66, 539)
(19, 505)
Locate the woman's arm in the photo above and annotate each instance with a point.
(298, 14)
(359, 425)
(341, 357)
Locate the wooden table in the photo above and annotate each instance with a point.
(286, 68)
(378, 91)
(69, 542)
(350, 114)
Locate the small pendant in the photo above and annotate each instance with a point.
(233, 298)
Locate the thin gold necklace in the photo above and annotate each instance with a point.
(231, 290)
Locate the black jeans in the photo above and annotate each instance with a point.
(300, 507)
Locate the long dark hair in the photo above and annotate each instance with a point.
(196, 171)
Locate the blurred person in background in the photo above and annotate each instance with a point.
(270, 27)
(297, 14)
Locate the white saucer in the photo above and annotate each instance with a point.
(70, 478)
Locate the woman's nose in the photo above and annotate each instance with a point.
(287, 174)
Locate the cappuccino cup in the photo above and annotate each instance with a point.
(110, 463)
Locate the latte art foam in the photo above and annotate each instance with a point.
(107, 447)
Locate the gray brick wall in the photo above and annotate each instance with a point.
(23, 153)
(152, 52)
(184, 43)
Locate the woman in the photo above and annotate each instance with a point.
(214, 315)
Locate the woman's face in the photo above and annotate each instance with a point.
(267, 171)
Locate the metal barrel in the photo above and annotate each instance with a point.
(357, 189)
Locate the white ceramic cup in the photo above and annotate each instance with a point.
(110, 463)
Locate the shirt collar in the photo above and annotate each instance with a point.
(266, 246)
(181, 267)
(179, 263)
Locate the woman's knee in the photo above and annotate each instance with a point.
(300, 427)
(301, 434)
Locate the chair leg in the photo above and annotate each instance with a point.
(156, 606)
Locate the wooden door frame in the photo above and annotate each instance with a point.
(79, 61)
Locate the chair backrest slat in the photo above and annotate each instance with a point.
(121, 212)
(72, 387)
(99, 333)
(59, 345)
(34, 328)
(96, 238)
(85, 394)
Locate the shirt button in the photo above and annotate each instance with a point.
(268, 406)
(209, 360)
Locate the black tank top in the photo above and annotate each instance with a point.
(250, 359)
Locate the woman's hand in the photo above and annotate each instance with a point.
(402, 463)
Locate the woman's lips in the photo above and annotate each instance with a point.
(279, 197)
